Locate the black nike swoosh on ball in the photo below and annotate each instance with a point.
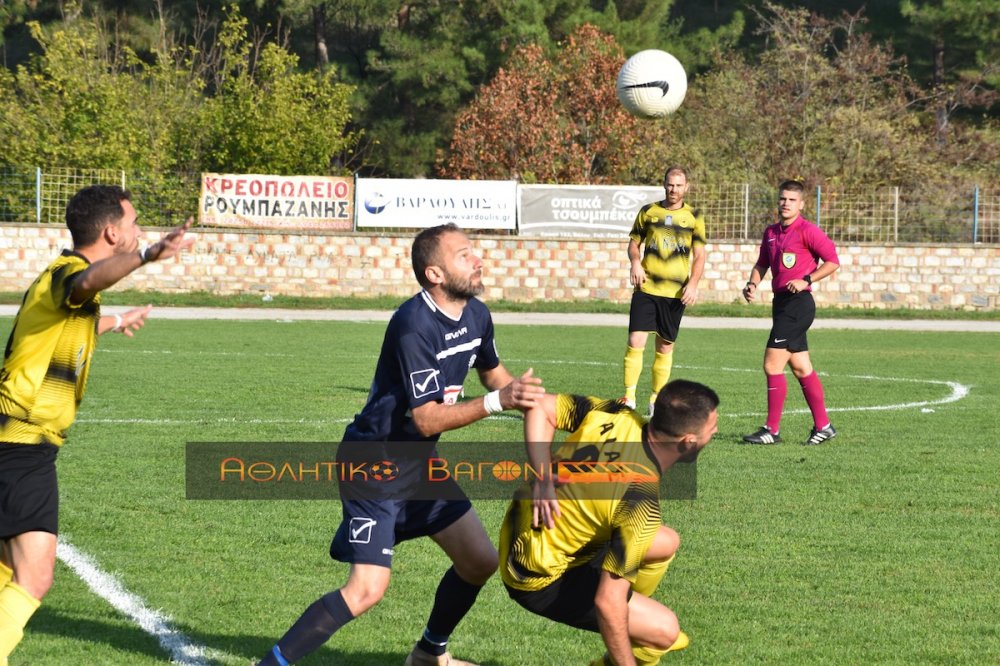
(662, 85)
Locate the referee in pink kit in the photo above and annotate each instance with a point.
(792, 250)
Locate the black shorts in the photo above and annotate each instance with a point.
(29, 493)
(655, 313)
(371, 528)
(568, 600)
(791, 317)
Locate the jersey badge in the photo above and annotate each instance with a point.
(424, 382)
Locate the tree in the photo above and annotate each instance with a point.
(88, 101)
(824, 103)
(963, 41)
(550, 118)
(268, 117)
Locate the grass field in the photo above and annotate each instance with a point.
(880, 547)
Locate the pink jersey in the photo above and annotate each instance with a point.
(792, 252)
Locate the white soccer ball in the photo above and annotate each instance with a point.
(652, 84)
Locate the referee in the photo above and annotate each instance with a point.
(43, 379)
(798, 254)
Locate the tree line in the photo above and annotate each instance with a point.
(505, 89)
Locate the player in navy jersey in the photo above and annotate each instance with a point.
(792, 249)
(430, 345)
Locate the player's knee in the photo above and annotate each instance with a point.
(38, 584)
(666, 631)
(664, 546)
(362, 595)
(671, 540)
(477, 570)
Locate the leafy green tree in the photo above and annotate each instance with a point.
(89, 102)
(85, 103)
(266, 115)
(962, 41)
(824, 102)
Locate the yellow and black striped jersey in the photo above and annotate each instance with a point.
(47, 359)
(608, 499)
(667, 238)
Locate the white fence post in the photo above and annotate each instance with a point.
(746, 211)
(895, 214)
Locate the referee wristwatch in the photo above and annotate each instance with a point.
(808, 278)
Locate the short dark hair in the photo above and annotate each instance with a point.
(793, 184)
(425, 250)
(675, 169)
(93, 208)
(682, 407)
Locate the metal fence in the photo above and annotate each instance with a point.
(734, 212)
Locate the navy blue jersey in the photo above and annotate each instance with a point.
(425, 356)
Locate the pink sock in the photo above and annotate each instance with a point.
(812, 389)
(777, 389)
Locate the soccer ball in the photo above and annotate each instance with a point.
(384, 470)
(652, 84)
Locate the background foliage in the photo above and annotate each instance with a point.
(841, 93)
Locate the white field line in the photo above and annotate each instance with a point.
(957, 391)
(182, 650)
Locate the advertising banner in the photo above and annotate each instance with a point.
(581, 211)
(417, 203)
(276, 202)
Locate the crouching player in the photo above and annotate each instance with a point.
(597, 566)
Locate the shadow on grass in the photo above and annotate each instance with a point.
(119, 634)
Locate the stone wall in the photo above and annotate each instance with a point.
(517, 268)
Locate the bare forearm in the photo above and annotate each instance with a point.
(103, 274)
(434, 418)
(612, 620)
(827, 269)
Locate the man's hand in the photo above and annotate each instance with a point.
(689, 295)
(637, 275)
(171, 244)
(545, 506)
(523, 392)
(749, 291)
(127, 322)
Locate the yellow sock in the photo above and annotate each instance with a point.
(647, 656)
(662, 365)
(649, 576)
(633, 368)
(16, 607)
(5, 574)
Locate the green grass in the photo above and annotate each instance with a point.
(880, 547)
(734, 309)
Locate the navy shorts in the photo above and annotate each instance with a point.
(29, 493)
(569, 599)
(372, 527)
(655, 313)
(791, 317)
